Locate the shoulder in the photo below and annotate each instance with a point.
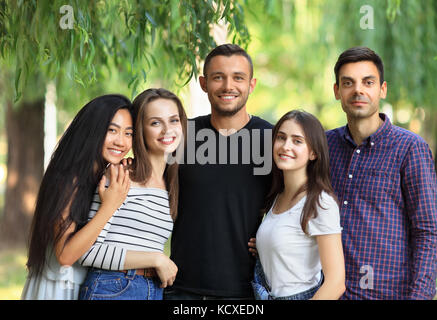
(201, 121)
(328, 203)
(259, 123)
(328, 217)
(411, 148)
(333, 133)
(405, 136)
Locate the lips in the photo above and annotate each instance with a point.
(115, 152)
(167, 140)
(283, 156)
(228, 96)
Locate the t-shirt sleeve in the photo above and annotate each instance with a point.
(328, 217)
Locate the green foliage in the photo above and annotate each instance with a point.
(405, 36)
(125, 37)
(295, 44)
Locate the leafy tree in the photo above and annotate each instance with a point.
(122, 40)
(295, 44)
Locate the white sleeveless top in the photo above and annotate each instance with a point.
(55, 282)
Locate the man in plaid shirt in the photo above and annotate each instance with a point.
(385, 180)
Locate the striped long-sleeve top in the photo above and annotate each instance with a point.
(142, 223)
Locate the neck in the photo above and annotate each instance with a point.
(293, 181)
(158, 165)
(361, 129)
(228, 124)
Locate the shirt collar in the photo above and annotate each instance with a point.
(382, 132)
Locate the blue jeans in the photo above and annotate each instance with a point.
(115, 285)
(261, 289)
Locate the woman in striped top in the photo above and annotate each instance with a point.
(127, 259)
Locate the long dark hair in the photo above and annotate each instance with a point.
(72, 175)
(142, 168)
(317, 170)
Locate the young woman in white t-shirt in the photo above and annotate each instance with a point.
(299, 240)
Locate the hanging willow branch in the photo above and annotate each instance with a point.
(126, 35)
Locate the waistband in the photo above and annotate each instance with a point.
(131, 273)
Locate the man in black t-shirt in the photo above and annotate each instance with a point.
(223, 181)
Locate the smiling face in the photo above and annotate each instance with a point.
(359, 90)
(118, 140)
(162, 126)
(228, 83)
(290, 149)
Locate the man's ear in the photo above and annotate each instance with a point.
(384, 90)
(202, 81)
(337, 95)
(252, 85)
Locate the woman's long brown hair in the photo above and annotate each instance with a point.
(318, 174)
(142, 168)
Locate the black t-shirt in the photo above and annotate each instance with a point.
(220, 199)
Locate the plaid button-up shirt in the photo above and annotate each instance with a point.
(388, 196)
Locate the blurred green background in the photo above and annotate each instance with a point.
(48, 71)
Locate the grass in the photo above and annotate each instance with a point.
(12, 273)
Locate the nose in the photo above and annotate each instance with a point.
(165, 127)
(227, 84)
(358, 87)
(120, 140)
(287, 145)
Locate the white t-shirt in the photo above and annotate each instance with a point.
(290, 258)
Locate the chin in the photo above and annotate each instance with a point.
(227, 112)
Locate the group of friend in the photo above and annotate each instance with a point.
(349, 213)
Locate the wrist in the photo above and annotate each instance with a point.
(157, 259)
(107, 208)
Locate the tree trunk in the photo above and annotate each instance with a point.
(25, 161)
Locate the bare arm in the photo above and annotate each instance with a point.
(165, 268)
(332, 260)
(68, 252)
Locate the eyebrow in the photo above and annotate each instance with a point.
(293, 135)
(342, 78)
(236, 72)
(160, 118)
(116, 125)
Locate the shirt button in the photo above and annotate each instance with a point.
(350, 176)
(345, 202)
(358, 151)
(372, 143)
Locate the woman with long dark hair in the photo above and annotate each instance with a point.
(127, 261)
(300, 235)
(100, 135)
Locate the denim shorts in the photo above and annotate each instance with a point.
(115, 285)
(261, 289)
